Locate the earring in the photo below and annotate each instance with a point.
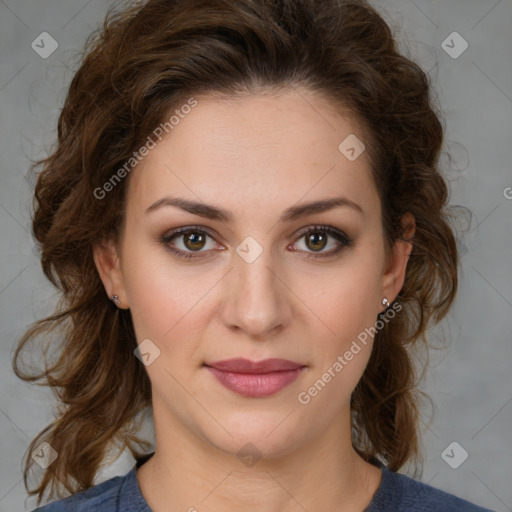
(385, 302)
(116, 300)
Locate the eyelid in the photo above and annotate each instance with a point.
(213, 234)
(340, 236)
(344, 241)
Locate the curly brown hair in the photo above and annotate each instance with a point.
(145, 60)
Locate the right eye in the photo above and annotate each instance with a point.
(193, 241)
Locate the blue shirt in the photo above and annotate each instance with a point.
(396, 493)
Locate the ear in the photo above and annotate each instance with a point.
(394, 275)
(106, 259)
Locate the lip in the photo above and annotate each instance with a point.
(255, 378)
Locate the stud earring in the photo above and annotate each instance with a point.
(385, 302)
(116, 300)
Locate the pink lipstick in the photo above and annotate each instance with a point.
(255, 379)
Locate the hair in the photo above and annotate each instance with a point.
(146, 60)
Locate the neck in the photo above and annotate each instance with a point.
(189, 473)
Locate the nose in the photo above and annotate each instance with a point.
(257, 300)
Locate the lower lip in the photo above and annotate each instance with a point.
(255, 385)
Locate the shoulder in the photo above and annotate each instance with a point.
(118, 494)
(103, 497)
(402, 493)
(422, 496)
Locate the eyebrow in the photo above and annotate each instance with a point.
(290, 214)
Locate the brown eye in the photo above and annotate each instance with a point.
(316, 241)
(193, 240)
(186, 241)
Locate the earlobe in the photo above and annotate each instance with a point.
(106, 259)
(394, 276)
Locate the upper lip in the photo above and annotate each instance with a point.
(239, 365)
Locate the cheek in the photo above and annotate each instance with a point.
(342, 304)
(168, 304)
(340, 355)
(344, 308)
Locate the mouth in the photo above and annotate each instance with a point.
(255, 379)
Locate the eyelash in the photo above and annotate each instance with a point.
(341, 237)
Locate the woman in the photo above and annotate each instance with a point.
(246, 220)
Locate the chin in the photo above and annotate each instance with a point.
(258, 434)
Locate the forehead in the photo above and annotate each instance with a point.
(255, 150)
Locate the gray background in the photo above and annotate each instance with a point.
(470, 382)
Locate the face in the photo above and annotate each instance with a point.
(253, 285)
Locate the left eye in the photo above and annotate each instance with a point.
(316, 239)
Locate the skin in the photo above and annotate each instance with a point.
(255, 156)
